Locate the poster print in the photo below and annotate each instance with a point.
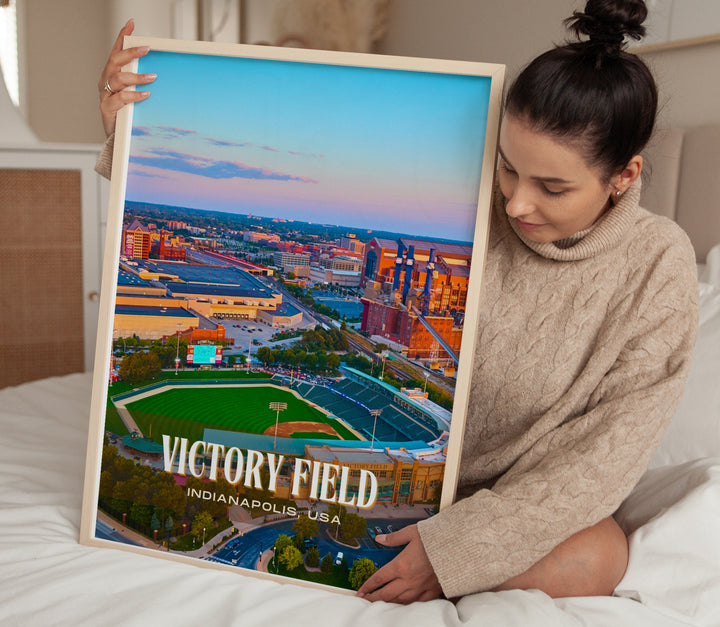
(294, 252)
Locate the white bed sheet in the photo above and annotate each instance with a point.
(47, 578)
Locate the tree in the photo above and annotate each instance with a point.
(201, 524)
(141, 514)
(305, 528)
(311, 361)
(140, 367)
(326, 566)
(343, 567)
(218, 509)
(291, 558)
(299, 543)
(282, 543)
(335, 510)
(359, 362)
(312, 559)
(333, 361)
(171, 498)
(360, 572)
(353, 526)
(265, 355)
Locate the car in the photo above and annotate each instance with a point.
(339, 558)
(378, 530)
(390, 529)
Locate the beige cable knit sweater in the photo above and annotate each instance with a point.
(583, 349)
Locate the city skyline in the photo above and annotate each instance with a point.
(147, 213)
(362, 148)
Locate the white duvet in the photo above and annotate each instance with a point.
(47, 578)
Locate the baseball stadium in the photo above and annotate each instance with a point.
(355, 420)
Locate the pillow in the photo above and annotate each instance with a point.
(672, 518)
(695, 429)
(710, 272)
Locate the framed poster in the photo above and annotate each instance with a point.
(293, 262)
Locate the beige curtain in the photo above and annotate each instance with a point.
(349, 25)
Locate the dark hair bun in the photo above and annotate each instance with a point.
(608, 22)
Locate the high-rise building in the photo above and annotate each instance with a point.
(285, 260)
(137, 241)
(351, 243)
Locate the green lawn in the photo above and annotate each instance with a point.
(186, 412)
(113, 422)
(333, 579)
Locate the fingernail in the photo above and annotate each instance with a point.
(150, 77)
(144, 49)
(144, 94)
(380, 538)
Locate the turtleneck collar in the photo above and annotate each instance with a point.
(605, 234)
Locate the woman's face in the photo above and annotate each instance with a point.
(550, 191)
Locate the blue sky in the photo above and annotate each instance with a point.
(360, 147)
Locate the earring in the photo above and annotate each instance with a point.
(618, 193)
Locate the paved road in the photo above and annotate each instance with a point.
(127, 418)
(105, 532)
(245, 551)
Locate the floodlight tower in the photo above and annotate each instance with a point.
(374, 413)
(278, 407)
(177, 348)
(384, 357)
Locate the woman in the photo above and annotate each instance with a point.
(588, 318)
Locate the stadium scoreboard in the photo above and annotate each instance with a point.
(204, 355)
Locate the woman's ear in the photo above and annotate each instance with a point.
(629, 175)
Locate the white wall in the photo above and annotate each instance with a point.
(65, 49)
(688, 82)
(514, 31)
(153, 18)
(68, 42)
(496, 31)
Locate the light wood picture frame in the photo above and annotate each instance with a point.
(368, 175)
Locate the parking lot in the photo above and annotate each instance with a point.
(245, 331)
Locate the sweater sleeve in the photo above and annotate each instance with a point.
(104, 163)
(578, 473)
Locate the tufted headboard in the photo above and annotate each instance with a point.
(682, 182)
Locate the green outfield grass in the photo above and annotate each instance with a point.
(186, 412)
(113, 422)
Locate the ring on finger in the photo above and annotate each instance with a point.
(109, 89)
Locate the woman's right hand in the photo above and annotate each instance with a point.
(112, 84)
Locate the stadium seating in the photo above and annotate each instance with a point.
(351, 401)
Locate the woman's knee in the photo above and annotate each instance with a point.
(590, 563)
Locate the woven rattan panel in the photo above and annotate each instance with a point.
(41, 292)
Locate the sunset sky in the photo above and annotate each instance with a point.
(358, 147)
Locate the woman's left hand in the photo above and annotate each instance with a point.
(409, 577)
(113, 81)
